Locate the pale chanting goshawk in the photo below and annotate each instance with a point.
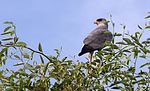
(96, 39)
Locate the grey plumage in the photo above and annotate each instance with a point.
(96, 39)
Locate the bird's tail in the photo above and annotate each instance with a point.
(85, 49)
(80, 54)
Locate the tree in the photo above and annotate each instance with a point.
(114, 67)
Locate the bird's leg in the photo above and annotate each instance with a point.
(91, 56)
(90, 60)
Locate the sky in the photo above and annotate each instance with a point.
(65, 23)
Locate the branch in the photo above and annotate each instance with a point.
(38, 52)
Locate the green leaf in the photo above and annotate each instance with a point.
(4, 61)
(124, 27)
(144, 50)
(29, 66)
(7, 29)
(107, 32)
(140, 27)
(57, 52)
(122, 43)
(127, 40)
(16, 56)
(4, 33)
(134, 38)
(138, 43)
(136, 34)
(4, 50)
(25, 55)
(12, 32)
(38, 66)
(20, 63)
(117, 34)
(45, 68)
(15, 39)
(8, 22)
(5, 39)
(143, 56)
(108, 57)
(136, 52)
(23, 73)
(42, 60)
(40, 47)
(147, 27)
(146, 64)
(115, 46)
(148, 38)
(64, 59)
(147, 17)
(8, 32)
(32, 54)
(131, 69)
(21, 44)
(146, 42)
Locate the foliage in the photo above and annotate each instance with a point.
(114, 67)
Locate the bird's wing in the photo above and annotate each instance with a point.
(97, 38)
(94, 35)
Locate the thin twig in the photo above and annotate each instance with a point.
(38, 52)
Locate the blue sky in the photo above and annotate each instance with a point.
(65, 23)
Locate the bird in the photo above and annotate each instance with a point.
(96, 38)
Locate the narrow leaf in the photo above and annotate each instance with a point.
(147, 17)
(40, 47)
(127, 40)
(146, 64)
(15, 39)
(21, 44)
(143, 56)
(122, 43)
(117, 34)
(16, 56)
(29, 66)
(26, 55)
(45, 68)
(127, 51)
(4, 50)
(7, 28)
(107, 32)
(20, 63)
(42, 60)
(8, 22)
(140, 27)
(148, 38)
(5, 39)
(147, 27)
(134, 38)
(138, 43)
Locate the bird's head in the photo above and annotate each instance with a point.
(101, 22)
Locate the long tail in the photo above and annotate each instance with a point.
(80, 54)
(85, 49)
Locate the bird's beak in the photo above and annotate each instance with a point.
(107, 21)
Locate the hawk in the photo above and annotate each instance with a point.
(96, 39)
